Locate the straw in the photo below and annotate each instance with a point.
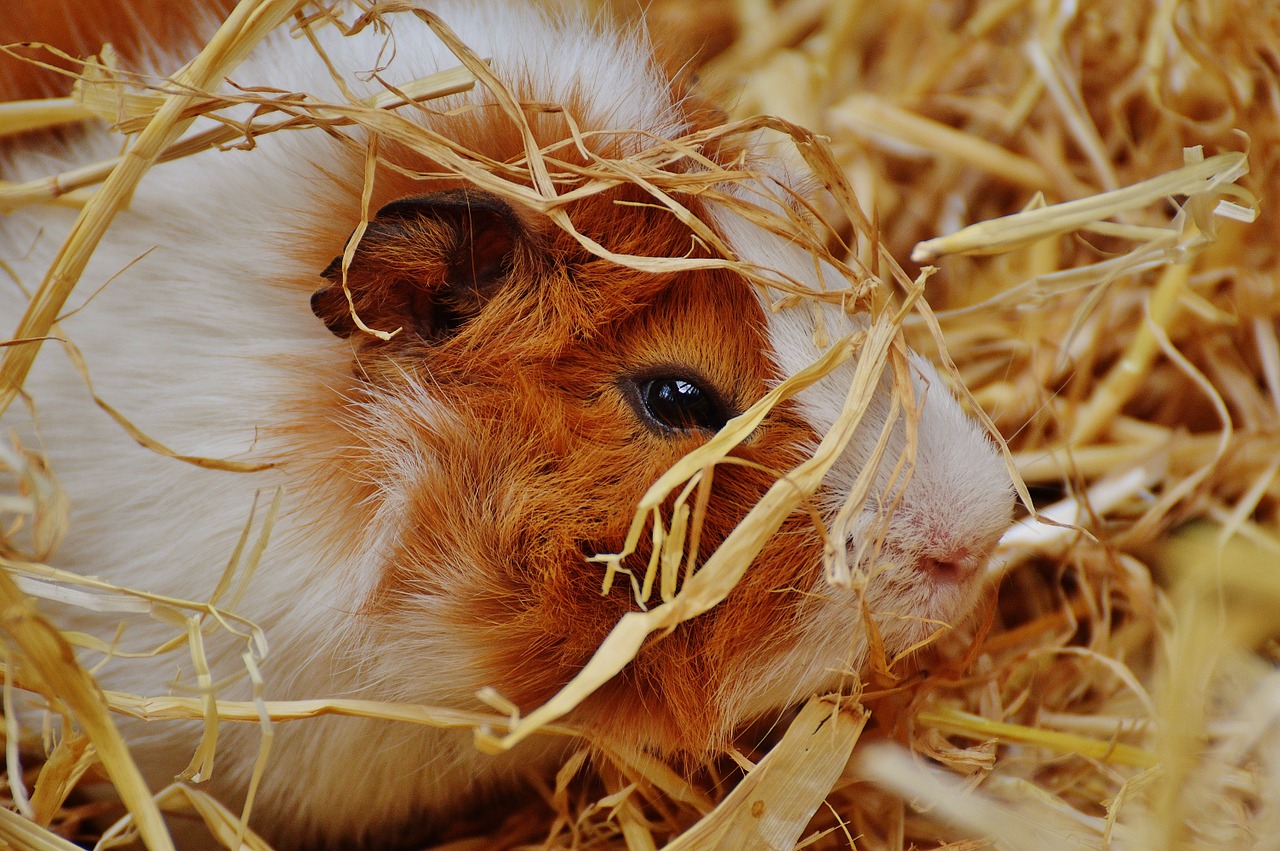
(1090, 185)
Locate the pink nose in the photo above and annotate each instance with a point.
(946, 570)
(957, 567)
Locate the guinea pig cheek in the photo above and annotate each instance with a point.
(687, 691)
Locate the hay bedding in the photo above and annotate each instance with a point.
(1118, 329)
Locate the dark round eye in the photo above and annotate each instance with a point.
(681, 404)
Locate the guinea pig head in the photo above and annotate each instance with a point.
(533, 392)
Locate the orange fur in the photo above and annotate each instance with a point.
(138, 29)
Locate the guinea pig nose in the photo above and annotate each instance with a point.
(954, 564)
(945, 570)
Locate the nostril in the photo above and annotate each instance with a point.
(957, 568)
(945, 555)
(954, 563)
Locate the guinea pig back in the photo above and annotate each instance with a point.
(459, 373)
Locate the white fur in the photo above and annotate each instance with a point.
(192, 343)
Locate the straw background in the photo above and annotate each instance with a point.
(1121, 691)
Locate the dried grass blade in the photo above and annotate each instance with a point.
(1128, 375)
(1008, 232)
(473, 63)
(147, 441)
(191, 708)
(69, 183)
(950, 798)
(225, 826)
(25, 115)
(976, 727)
(71, 758)
(771, 807)
(201, 765)
(47, 655)
(17, 832)
(1054, 525)
(867, 114)
(12, 753)
(626, 811)
(1064, 89)
(656, 772)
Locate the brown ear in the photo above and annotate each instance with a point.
(426, 264)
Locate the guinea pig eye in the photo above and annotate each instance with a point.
(677, 403)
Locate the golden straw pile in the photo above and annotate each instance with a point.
(1092, 182)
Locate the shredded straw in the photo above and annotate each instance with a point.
(1065, 204)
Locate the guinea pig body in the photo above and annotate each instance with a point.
(444, 489)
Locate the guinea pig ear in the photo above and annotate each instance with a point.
(426, 264)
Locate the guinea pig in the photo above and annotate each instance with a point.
(445, 488)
